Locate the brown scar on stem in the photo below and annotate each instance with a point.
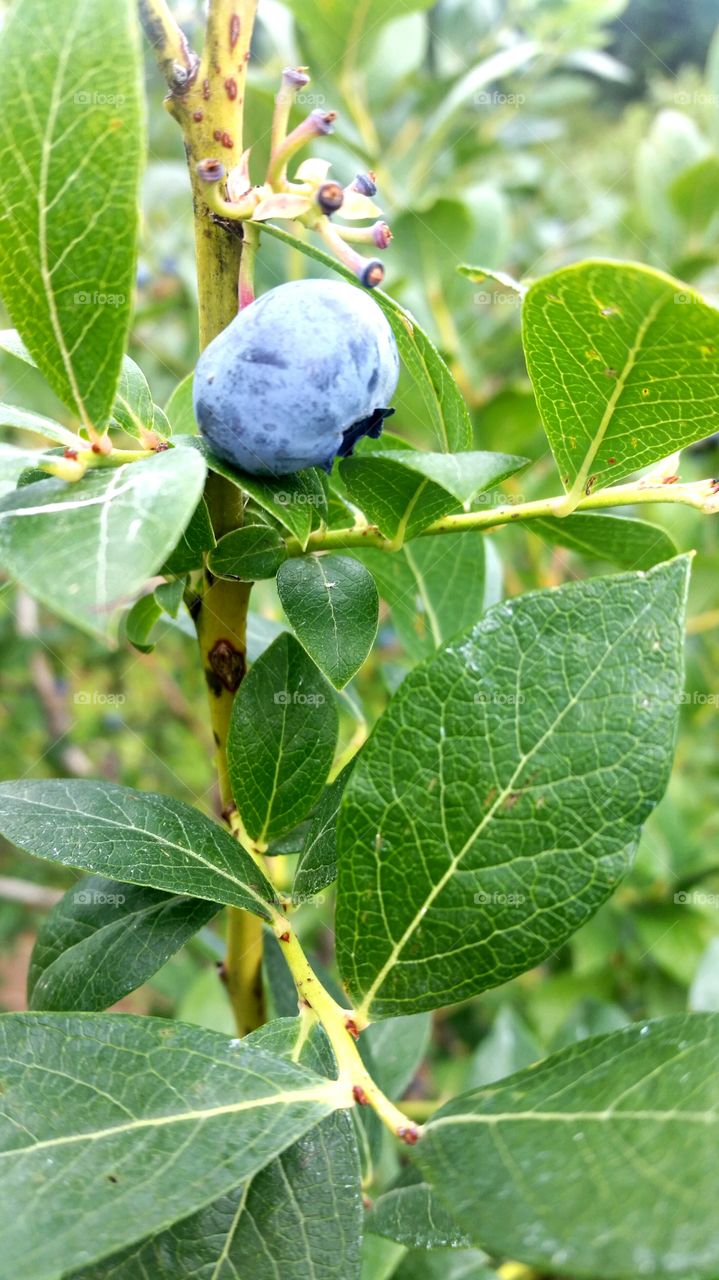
(234, 30)
(351, 1026)
(227, 665)
(231, 88)
(359, 1095)
(285, 937)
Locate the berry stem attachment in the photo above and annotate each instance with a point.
(368, 270)
(342, 1027)
(246, 281)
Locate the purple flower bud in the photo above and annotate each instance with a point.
(321, 122)
(373, 274)
(330, 197)
(381, 234)
(365, 184)
(295, 77)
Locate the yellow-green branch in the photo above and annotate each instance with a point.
(703, 495)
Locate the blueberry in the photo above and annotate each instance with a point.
(297, 378)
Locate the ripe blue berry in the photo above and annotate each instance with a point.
(297, 378)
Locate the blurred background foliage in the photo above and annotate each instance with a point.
(520, 136)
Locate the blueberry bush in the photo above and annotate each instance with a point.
(450, 740)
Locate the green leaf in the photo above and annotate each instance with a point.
(434, 588)
(398, 1046)
(317, 864)
(182, 1116)
(104, 939)
(197, 539)
(70, 164)
(479, 274)
(180, 409)
(507, 1047)
(405, 491)
(442, 397)
(631, 544)
(339, 29)
(299, 1218)
(625, 362)
(412, 1214)
(24, 420)
(13, 462)
(333, 606)
(547, 733)
(693, 192)
(133, 408)
(293, 500)
(141, 621)
(633, 1116)
(134, 836)
(81, 548)
(253, 552)
(282, 739)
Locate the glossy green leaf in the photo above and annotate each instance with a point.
(398, 1046)
(630, 544)
(253, 552)
(24, 420)
(468, 860)
(443, 399)
(299, 1218)
(317, 864)
(405, 491)
(180, 409)
(333, 606)
(197, 539)
(131, 835)
(693, 192)
(294, 500)
(624, 361)
(507, 1047)
(435, 587)
(81, 548)
(70, 161)
(327, 26)
(133, 408)
(183, 1115)
(631, 1118)
(282, 739)
(104, 939)
(411, 1213)
(141, 621)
